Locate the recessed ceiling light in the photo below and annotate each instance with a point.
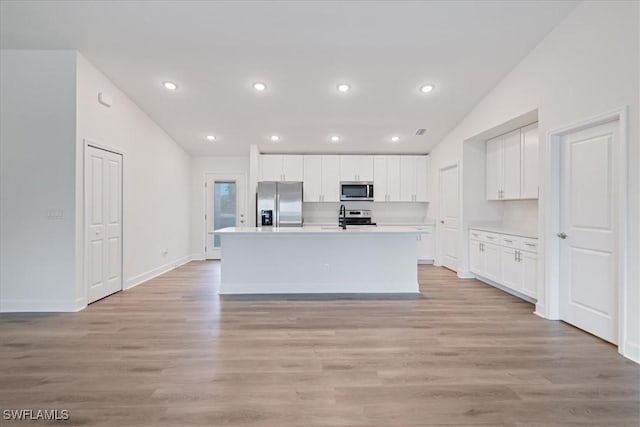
(170, 85)
(395, 138)
(335, 138)
(259, 86)
(343, 87)
(211, 138)
(274, 138)
(426, 88)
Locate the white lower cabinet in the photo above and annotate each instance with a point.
(507, 260)
(425, 245)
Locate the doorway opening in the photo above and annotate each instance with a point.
(225, 203)
(586, 227)
(449, 211)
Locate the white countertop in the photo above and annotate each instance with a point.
(327, 229)
(505, 229)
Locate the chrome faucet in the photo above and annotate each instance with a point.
(342, 217)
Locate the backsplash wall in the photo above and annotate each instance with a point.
(382, 213)
(520, 214)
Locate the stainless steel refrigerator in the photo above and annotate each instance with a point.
(279, 204)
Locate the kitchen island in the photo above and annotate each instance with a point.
(300, 260)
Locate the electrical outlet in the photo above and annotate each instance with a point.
(55, 214)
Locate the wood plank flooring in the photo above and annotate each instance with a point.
(171, 352)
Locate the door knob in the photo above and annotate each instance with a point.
(562, 235)
(441, 221)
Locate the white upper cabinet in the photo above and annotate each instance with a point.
(414, 171)
(512, 165)
(512, 157)
(356, 168)
(270, 168)
(386, 178)
(312, 182)
(275, 167)
(321, 179)
(292, 168)
(495, 162)
(530, 155)
(422, 178)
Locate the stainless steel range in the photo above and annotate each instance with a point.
(356, 217)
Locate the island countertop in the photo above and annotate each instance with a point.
(319, 259)
(327, 229)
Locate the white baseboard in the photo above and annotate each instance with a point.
(141, 278)
(425, 261)
(319, 288)
(631, 351)
(506, 289)
(466, 275)
(197, 257)
(41, 306)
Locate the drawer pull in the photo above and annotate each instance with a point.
(490, 237)
(508, 241)
(530, 244)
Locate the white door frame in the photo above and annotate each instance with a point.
(223, 176)
(549, 306)
(440, 211)
(85, 213)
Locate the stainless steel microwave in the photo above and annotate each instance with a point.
(354, 191)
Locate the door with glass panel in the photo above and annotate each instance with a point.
(225, 207)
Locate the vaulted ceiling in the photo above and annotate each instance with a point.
(216, 50)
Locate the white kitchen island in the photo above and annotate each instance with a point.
(318, 260)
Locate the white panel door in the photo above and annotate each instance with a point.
(529, 261)
(225, 203)
(512, 168)
(494, 173)
(492, 268)
(422, 176)
(449, 212)
(380, 190)
(271, 167)
(330, 178)
(588, 258)
(103, 192)
(394, 186)
(530, 155)
(511, 269)
(312, 180)
(292, 168)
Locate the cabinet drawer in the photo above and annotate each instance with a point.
(511, 241)
(488, 237)
(475, 235)
(529, 244)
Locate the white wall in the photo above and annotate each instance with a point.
(199, 167)
(37, 154)
(586, 66)
(156, 178)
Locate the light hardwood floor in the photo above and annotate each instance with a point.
(170, 352)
